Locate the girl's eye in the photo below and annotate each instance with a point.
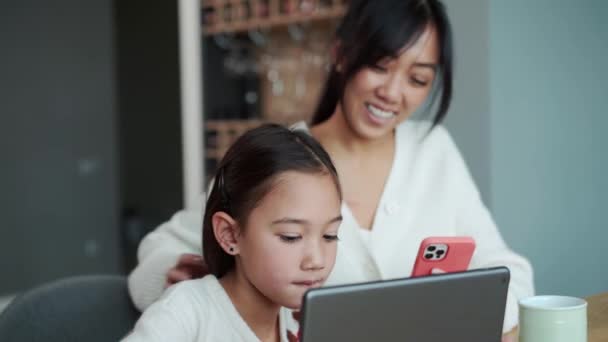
(289, 238)
(331, 238)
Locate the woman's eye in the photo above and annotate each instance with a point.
(289, 238)
(329, 237)
(378, 68)
(419, 82)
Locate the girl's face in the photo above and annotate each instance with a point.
(379, 97)
(290, 242)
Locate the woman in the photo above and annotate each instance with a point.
(402, 179)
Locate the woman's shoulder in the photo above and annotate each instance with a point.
(426, 149)
(300, 126)
(421, 134)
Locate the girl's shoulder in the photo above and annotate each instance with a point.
(183, 310)
(193, 292)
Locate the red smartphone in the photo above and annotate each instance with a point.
(450, 254)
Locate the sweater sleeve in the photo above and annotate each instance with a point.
(169, 319)
(159, 251)
(474, 219)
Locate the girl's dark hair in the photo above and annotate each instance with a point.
(374, 29)
(247, 173)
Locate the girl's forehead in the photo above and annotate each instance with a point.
(298, 194)
(294, 183)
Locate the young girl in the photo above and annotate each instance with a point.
(269, 234)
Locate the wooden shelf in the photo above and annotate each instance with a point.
(274, 18)
(221, 134)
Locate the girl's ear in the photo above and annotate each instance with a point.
(226, 231)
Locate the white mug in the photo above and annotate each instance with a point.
(552, 319)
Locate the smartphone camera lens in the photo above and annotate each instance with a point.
(440, 252)
(431, 248)
(428, 256)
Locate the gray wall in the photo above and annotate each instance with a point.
(58, 174)
(90, 136)
(529, 115)
(549, 103)
(468, 120)
(149, 116)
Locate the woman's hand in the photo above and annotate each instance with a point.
(189, 266)
(511, 336)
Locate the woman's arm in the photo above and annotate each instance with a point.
(474, 219)
(492, 251)
(159, 252)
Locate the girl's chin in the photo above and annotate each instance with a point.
(290, 302)
(294, 307)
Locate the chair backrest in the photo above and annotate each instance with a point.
(85, 308)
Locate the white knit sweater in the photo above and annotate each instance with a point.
(429, 192)
(199, 310)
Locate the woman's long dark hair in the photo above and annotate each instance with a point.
(374, 29)
(247, 173)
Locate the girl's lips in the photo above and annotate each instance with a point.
(308, 283)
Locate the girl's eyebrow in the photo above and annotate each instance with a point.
(289, 220)
(335, 219)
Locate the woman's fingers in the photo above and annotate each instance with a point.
(508, 338)
(176, 275)
(188, 259)
(192, 264)
(189, 266)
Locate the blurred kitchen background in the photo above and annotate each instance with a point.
(114, 113)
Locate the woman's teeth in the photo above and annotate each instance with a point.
(380, 113)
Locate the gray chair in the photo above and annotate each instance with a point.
(85, 308)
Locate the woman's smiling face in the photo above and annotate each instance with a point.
(381, 96)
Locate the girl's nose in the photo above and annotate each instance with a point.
(314, 259)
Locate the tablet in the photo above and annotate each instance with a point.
(465, 306)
